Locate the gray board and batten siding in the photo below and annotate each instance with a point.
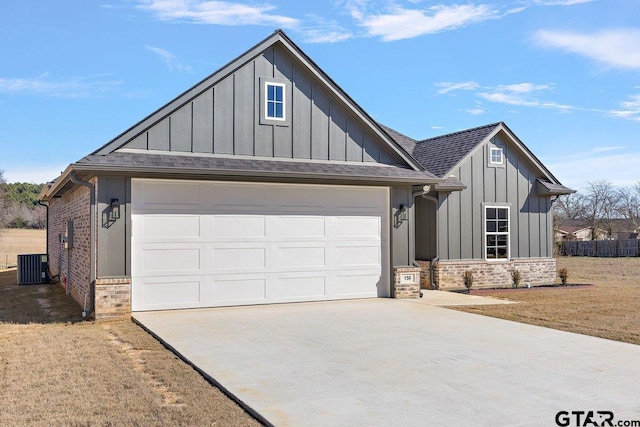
(225, 119)
(459, 226)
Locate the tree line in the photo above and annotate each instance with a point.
(19, 205)
(599, 205)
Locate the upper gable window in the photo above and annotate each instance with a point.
(275, 107)
(496, 156)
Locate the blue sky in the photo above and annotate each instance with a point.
(563, 74)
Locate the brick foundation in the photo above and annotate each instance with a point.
(113, 298)
(403, 285)
(448, 273)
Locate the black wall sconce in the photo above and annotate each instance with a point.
(111, 213)
(403, 215)
(114, 211)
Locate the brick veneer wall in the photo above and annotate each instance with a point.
(72, 206)
(448, 273)
(406, 290)
(113, 297)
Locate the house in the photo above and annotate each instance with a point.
(609, 229)
(578, 230)
(267, 183)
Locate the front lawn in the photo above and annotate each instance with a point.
(610, 309)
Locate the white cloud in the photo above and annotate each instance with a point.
(401, 23)
(520, 94)
(170, 60)
(619, 48)
(450, 87)
(321, 30)
(322, 36)
(74, 87)
(217, 12)
(476, 111)
(561, 2)
(629, 110)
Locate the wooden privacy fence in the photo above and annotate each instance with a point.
(602, 248)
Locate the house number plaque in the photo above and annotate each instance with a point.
(407, 279)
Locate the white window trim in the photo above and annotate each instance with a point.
(484, 232)
(266, 101)
(491, 162)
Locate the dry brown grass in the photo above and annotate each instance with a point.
(607, 310)
(14, 242)
(56, 370)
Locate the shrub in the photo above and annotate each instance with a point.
(563, 274)
(516, 277)
(467, 278)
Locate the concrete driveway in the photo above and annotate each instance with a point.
(388, 362)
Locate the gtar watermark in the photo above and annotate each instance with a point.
(592, 419)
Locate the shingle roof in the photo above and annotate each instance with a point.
(404, 141)
(147, 162)
(441, 153)
(438, 155)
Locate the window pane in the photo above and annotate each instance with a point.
(278, 93)
(502, 213)
(491, 252)
(502, 252)
(279, 110)
(270, 109)
(491, 240)
(270, 92)
(503, 226)
(491, 213)
(491, 227)
(501, 240)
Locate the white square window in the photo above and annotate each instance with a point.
(496, 156)
(274, 101)
(496, 232)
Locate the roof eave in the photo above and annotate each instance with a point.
(143, 171)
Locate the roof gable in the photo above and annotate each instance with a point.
(192, 123)
(442, 154)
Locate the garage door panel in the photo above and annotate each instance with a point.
(300, 256)
(297, 287)
(170, 259)
(354, 285)
(301, 227)
(169, 227)
(154, 293)
(358, 256)
(358, 226)
(257, 243)
(239, 227)
(242, 259)
(240, 291)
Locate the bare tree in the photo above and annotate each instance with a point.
(601, 206)
(629, 204)
(570, 206)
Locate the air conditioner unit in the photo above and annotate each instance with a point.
(32, 269)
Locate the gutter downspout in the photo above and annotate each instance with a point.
(92, 247)
(435, 259)
(47, 239)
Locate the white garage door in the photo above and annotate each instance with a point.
(208, 244)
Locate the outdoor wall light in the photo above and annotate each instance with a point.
(114, 211)
(403, 215)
